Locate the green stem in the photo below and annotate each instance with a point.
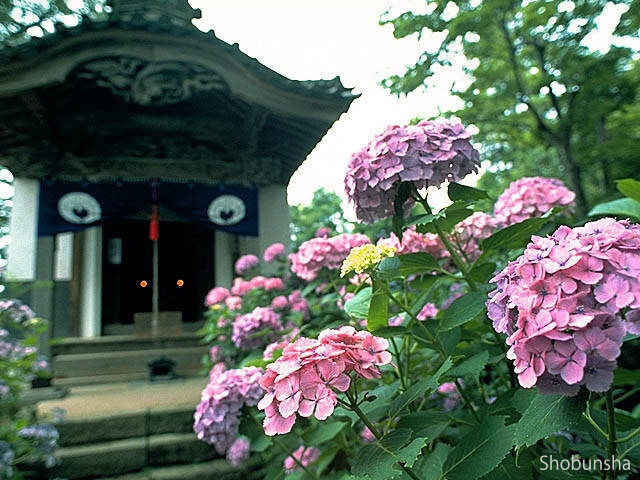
(462, 266)
(399, 366)
(611, 430)
(356, 409)
(467, 401)
(629, 437)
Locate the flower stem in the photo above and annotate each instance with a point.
(611, 431)
(467, 401)
(462, 266)
(356, 409)
(397, 352)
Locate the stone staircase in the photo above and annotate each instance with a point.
(122, 358)
(146, 445)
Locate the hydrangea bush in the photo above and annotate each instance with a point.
(25, 442)
(465, 344)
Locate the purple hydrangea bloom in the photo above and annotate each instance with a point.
(245, 328)
(45, 436)
(246, 263)
(562, 303)
(238, 452)
(426, 154)
(216, 419)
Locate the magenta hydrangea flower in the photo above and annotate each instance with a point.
(273, 251)
(318, 253)
(216, 419)
(246, 263)
(304, 455)
(304, 379)
(273, 283)
(428, 311)
(468, 233)
(413, 242)
(249, 329)
(531, 197)
(216, 295)
(426, 154)
(367, 435)
(566, 304)
(323, 232)
(233, 302)
(238, 452)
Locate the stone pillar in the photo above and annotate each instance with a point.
(91, 281)
(224, 245)
(273, 219)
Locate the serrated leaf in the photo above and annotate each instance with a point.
(629, 188)
(458, 191)
(447, 218)
(424, 386)
(426, 424)
(624, 207)
(463, 310)
(389, 332)
(509, 470)
(358, 306)
(378, 315)
(513, 236)
(546, 415)
(481, 272)
(378, 460)
(471, 367)
(430, 466)
(324, 432)
(407, 264)
(480, 451)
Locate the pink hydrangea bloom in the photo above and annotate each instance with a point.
(273, 283)
(426, 154)
(216, 295)
(273, 251)
(280, 302)
(323, 232)
(304, 455)
(413, 242)
(246, 327)
(428, 311)
(367, 435)
(216, 418)
(318, 253)
(562, 304)
(246, 263)
(280, 344)
(233, 303)
(531, 197)
(343, 297)
(304, 379)
(214, 354)
(468, 233)
(450, 396)
(238, 452)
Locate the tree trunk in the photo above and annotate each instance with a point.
(574, 176)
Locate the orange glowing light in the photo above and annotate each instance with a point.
(180, 282)
(143, 283)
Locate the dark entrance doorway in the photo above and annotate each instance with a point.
(186, 270)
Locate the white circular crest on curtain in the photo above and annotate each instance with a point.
(79, 207)
(227, 210)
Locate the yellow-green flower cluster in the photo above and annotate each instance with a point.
(364, 258)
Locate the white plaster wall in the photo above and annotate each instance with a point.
(273, 219)
(63, 257)
(23, 230)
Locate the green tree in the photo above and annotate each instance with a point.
(325, 210)
(22, 19)
(542, 100)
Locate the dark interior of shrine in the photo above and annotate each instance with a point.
(186, 259)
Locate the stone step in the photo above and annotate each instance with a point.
(115, 343)
(213, 470)
(127, 425)
(131, 455)
(103, 367)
